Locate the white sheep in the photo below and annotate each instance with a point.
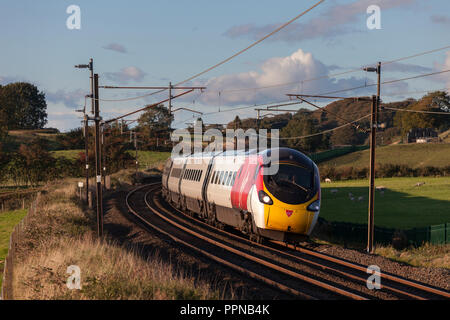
(327, 180)
(418, 184)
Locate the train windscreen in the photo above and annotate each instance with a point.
(292, 184)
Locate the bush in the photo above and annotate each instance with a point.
(399, 240)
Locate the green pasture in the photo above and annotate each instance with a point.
(8, 220)
(150, 158)
(402, 205)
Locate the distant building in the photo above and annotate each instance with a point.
(422, 135)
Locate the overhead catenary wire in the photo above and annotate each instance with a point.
(287, 102)
(227, 59)
(418, 111)
(329, 112)
(336, 74)
(338, 91)
(318, 133)
(385, 82)
(252, 45)
(413, 92)
(347, 89)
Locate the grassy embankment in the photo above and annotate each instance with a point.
(17, 137)
(62, 234)
(8, 220)
(427, 255)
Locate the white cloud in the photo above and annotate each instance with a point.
(126, 74)
(291, 69)
(444, 77)
(72, 99)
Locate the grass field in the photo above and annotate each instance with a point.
(401, 206)
(413, 155)
(8, 220)
(69, 154)
(151, 158)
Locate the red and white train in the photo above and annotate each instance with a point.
(231, 188)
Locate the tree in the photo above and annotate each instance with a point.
(347, 135)
(116, 146)
(73, 139)
(235, 124)
(31, 164)
(23, 105)
(435, 101)
(154, 125)
(302, 124)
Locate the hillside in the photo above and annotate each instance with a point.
(17, 137)
(413, 155)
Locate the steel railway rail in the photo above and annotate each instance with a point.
(356, 274)
(391, 283)
(271, 273)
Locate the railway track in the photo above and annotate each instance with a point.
(297, 271)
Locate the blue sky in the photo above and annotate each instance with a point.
(154, 42)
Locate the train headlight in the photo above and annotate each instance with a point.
(264, 197)
(315, 206)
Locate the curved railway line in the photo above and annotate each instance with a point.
(296, 271)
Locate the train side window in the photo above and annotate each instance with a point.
(224, 177)
(256, 173)
(212, 178)
(229, 178)
(220, 177)
(240, 171)
(188, 174)
(234, 178)
(197, 176)
(217, 177)
(200, 175)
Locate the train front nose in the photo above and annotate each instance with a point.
(291, 218)
(294, 199)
